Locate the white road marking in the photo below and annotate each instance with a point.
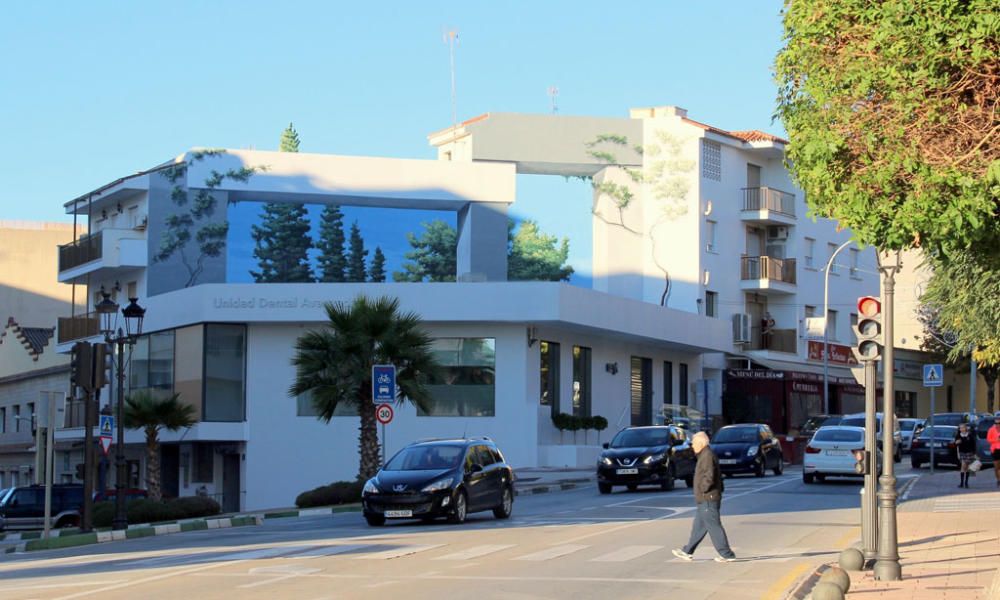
(627, 553)
(329, 551)
(475, 552)
(397, 552)
(553, 552)
(258, 554)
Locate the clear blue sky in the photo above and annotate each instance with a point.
(91, 91)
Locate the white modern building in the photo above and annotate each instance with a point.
(697, 233)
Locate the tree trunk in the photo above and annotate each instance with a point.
(153, 465)
(990, 376)
(368, 440)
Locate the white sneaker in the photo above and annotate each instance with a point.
(723, 559)
(681, 554)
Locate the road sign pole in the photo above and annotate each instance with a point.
(383, 443)
(933, 389)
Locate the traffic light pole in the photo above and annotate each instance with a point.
(887, 566)
(869, 506)
(87, 520)
(121, 520)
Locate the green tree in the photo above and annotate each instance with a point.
(891, 111)
(534, 256)
(289, 139)
(332, 261)
(193, 221)
(377, 271)
(334, 364)
(433, 256)
(151, 414)
(356, 271)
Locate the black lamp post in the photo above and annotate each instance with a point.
(134, 315)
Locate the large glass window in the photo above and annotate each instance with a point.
(668, 382)
(225, 360)
(466, 385)
(581, 381)
(549, 375)
(642, 391)
(153, 362)
(684, 384)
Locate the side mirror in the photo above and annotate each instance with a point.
(676, 442)
(605, 445)
(476, 468)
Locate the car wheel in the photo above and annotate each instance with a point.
(820, 478)
(604, 488)
(689, 481)
(632, 487)
(506, 505)
(668, 480)
(375, 520)
(67, 522)
(916, 464)
(461, 509)
(758, 468)
(779, 467)
(808, 478)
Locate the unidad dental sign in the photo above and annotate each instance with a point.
(260, 303)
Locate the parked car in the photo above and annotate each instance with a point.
(830, 452)
(982, 429)
(24, 507)
(906, 429)
(747, 448)
(440, 478)
(939, 439)
(637, 456)
(858, 420)
(110, 494)
(813, 423)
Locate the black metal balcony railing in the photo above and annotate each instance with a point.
(767, 267)
(78, 327)
(776, 340)
(765, 198)
(82, 251)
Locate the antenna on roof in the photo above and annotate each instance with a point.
(553, 91)
(451, 38)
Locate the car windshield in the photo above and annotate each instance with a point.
(736, 434)
(831, 421)
(860, 422)
(636, 438)
(2, 494)
(949, 419)
(426, 458)
(838, 435)
(939, 432)
(908, 424)
(813, 423)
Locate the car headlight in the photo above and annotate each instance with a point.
(370, 487)
(752, 451)
(604, 460)
(654, 458)
(440, 484)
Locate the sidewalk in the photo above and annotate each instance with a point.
(949, 542)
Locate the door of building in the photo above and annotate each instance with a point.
(641, 383)
(170, 465)
(231, 483)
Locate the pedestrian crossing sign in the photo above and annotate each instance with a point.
(933, 375)
(107, 425)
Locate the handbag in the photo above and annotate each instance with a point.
(975, 465)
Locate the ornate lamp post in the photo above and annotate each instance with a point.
(133, 315)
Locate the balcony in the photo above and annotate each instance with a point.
(78, 327)
(767, 274)
(110, 249)
(778, 340)
(768, 206)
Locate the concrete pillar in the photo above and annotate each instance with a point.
(482, 242)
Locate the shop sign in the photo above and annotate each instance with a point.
(804, 388)
(838, 353)
(908, 369)
(755, 374)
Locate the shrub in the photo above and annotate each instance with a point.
(338, 492)
(599, 423)
(144, 510)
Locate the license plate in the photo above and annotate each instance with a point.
(939, 445)
(836, 452)
(627, 471)
(727, 461)
(398, 513)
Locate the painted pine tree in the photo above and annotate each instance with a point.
(332, 261)
(356, 271)
(377, 271)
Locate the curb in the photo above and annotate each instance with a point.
(559, 486)
(137, 531)
(804, 586)
(310, 512)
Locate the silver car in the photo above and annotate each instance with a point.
(906, 429)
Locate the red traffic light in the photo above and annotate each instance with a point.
(869, 306)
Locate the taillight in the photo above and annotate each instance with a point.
(811, 450)
(917, 443)
(951, 444)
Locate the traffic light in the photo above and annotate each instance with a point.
(82, 366)
(102, 365)
(869, 328)
(861, 464)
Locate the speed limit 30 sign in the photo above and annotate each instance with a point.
(383, 413)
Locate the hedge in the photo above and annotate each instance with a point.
(144, 510)
(338, 492)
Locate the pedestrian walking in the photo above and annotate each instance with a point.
(993, 437)
(708, 499)
(965, 444)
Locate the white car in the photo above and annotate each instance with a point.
(906, 429)
(830, 452)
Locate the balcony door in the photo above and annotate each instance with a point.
(755, 241)
(753, 176)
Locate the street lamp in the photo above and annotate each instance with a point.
(134, 314)
(826, 329)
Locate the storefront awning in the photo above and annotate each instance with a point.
(837, 374)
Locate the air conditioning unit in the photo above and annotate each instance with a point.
(741, 328)
(777, 232)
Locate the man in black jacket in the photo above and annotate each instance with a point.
(708, 497)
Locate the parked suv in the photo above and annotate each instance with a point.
(440, 478)
(646, 456)
(24, 507)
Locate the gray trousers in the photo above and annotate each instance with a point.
(707, 520)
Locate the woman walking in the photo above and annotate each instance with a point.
(965, 443)
(993, 437)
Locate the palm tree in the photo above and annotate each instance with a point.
(150, 413)
(334, 364)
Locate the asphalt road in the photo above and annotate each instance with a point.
(575, 544)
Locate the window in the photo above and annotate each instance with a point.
(831, 248)
(17, 419)
(31, 415)
(581, 381)
(485, 456)
(810, 311)
(153, 363)
(668, 382)
(3, 419)
(854, 320)
(641, 391)
(831, 324)
(810, 251)
(549, 375)
(711, 160)
(710, 227)
(466, 385)
(203, 457)
(854, 262)
(305, 407)
(711, 304)
(684, 384)
(225, 366)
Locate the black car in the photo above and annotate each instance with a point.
(440, 478)
(816, 421)
(24, 507)
(747, 448)
(939, 439)
(646, 456)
